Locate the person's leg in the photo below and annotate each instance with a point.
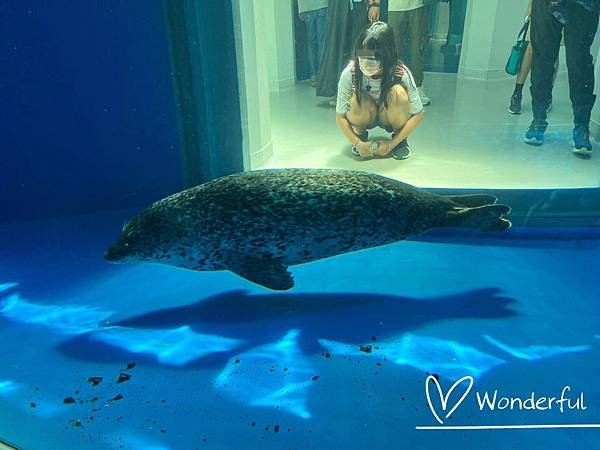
(321, 21)
(360, 19)
(310, 19)
(525, 66)
(546, 34)
(383, 15)
(398, 111)
(395, 116)
(419, 37)
(579, 35)
(526, 69)
(397, 22)
(334, 59)
(517, 95)
(362, 115)
(549, 108)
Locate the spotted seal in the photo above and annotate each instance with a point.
(256, 224)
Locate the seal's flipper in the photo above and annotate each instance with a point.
(474, 200)
(267, 272)
(499, 225)
(488, 218)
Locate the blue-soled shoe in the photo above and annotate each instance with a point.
(535, 133)
(581, 141)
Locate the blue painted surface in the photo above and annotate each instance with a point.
(341, 361)
(87, 118)
(221, 362)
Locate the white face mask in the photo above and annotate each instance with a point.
(369, 66)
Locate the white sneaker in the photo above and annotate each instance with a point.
(423, 96)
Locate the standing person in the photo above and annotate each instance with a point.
(517, 95)
(411, 17)
(378, 10)
(345, 19)
(578, 20)
(314, 14)
(375, 89)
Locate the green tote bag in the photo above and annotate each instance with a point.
(513, 65)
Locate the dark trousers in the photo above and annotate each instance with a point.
(546, 34)
(415, 23)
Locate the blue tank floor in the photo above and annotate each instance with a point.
(224, 364)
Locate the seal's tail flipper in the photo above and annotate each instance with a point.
(474, 200)
(487, 218)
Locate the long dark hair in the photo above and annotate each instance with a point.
(377, 38)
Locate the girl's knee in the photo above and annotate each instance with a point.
(397, 112)
(363, 112)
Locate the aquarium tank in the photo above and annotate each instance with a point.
(299, 224)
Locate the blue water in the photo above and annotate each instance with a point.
(224, 364)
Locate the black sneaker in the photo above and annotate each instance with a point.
(401, 151)
(515, 104)
(535, 133)
(581, 141)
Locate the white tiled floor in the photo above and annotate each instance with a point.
(467, 139)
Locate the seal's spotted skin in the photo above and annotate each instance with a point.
(257, 223)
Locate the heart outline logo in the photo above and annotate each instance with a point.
(444, 398)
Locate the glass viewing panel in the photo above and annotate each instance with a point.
(476, 116)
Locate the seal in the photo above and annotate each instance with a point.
(256, 224)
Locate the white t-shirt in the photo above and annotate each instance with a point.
(311, 5)
(404, 5)
(372, 86)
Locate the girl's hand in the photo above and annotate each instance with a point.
(301, 16)
(383, 149)
(364, 149)
(374, 12)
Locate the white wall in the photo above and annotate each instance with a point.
(491, 27)
(278, 27)
(253, 78)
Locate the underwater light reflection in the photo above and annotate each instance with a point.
(6, 286)
(175, 347)
(8, 388)
(273, 375)
(136, 441)
(428, 354)
(535, 352)
(63, 319)
(20, 395)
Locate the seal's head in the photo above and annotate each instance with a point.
(138, 240)
(124, 249)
